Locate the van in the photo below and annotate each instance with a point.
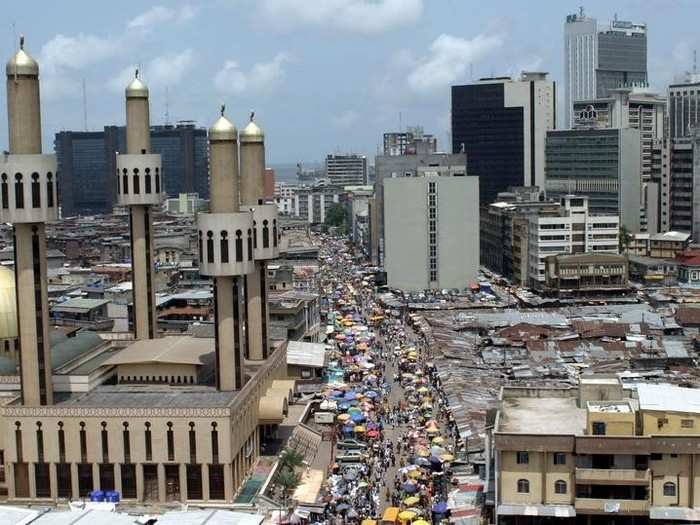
(324, 418)
(391, 516)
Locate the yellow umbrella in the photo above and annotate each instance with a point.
(343, 417)
(423, 390)
(415, 474)
(411, 500)
(447, 457)
(432, 430)
(407, 515)
(360, 429)
(424, 453)
(439, 440)
(420, 522)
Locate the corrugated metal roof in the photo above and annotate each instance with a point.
(668, 398)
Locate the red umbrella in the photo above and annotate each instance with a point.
(372, 434)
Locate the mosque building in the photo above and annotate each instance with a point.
(155, 418)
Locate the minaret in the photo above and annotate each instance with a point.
(28, 195)
(265, 237)
(226, 251)
(139, 186)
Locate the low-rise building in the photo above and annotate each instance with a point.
(600, 453)
(585, 274)
(83, 313)
(652, 271)
(662, 245)
(689, 267)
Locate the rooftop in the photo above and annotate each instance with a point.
(542, 415)
(668, 398)
(79, 305)
(185, 350)
(306, 354)
(151, 396)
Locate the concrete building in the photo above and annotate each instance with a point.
(658, 245)
(586, 274)
(501, 124)
(433, 246)
(600, 58)
(604, 452)
(409, 165)
(684, 107)
(410, 142)
(311, 203)
(577, 230)
(346, 170)
(86, 158)
(680, 183)
(192, 428)
(186, 204)
(602, 164)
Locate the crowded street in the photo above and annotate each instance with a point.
(394, 440)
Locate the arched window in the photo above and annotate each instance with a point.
(137, 182)
(224, 246)
(5, 193)
(210, 246)
(255, 234)
(274, 233)
(157, 180)
(523, 486)
(201, 250)
(170, 437)
(560, 486)
(250, 245)
(669, 489)
(125, 182)
(266, 234)
(214, 444)
(36, 191)
(147, 180)
(148, 442)
(19, 191)
(49, 189)
(239, 246)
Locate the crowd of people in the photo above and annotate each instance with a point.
(395, 440)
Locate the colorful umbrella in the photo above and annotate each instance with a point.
(411, 500)
(406, 515)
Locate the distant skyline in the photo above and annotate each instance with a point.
(322, 76)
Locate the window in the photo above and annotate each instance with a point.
(147, 179)
(83, 444)
(5, 196)
(559, 458)
(598, 428)
(19, 191)
(137, 185)
(105, 442)
(224, 246)
(669, 489)
(36, 191)
(560, 486)
(214, 444)
(523, 486)
(171, 442)
(148, 443)
(522, 458)
(687, 423)
(210, 246)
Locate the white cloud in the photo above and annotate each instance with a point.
(161, 15)
(346, 119)
(261, 77)
(449, 59)
(361, 16)
(162, 71)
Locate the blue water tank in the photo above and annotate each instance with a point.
(112, 496)
(97, 495)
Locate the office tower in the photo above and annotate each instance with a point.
(139, 181)
(409, 142)
(501, 125)
(226, 252)
(86, 158)
(28, 193)
(431, 229)
(684, 107)
(252, 195)
(602, 164)
(600, 58)
(346, 170)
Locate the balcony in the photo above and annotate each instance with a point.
(612, 476)
(611, 506)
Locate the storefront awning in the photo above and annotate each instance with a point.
(557, 511)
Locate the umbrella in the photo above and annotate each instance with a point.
(440, 508)
(354, 410)
(447, 457)
(372, 434)
(410, 501)
(406, 515)
(343, 417)
(420, 522)
(347, 429)
(342, 507)
(358, 418)
(438, 440)
(435, 460)
(422, 461)
(371, 394)
(353, 514)
(360, 429)
(432, 430)
(350, 396)
(423, 452)
(414, 474)
(423, 390)
(409, 487)
(350, 476)
(372, 425)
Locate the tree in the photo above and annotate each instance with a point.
(291, 458)
(336, 216)
(625, 239)
(288, 481)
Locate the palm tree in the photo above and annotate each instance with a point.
(290, 459)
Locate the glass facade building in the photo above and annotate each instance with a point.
(86, 161)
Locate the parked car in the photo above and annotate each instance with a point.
(350, 456)
(350, 444)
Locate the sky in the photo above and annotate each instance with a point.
(323, 76)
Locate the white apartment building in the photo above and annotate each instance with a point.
(574, 231)
(284, 197)
(346, 170)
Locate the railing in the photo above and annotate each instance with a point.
(612, 475)
(96, 324)
(612, 506)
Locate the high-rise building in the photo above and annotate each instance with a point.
(602, 164)
(501, 124)
(680, 184)
(600, 58)
(86, 160)
(684, 106)
(432, 246)
(409, 142)
(346, 170)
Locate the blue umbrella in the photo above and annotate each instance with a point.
(435, 460)
(371, 394)
(348, 429)
(342, 507)
(350, 396)
(358, 418)
(440, 508)
(409, 487)
(344, 406)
